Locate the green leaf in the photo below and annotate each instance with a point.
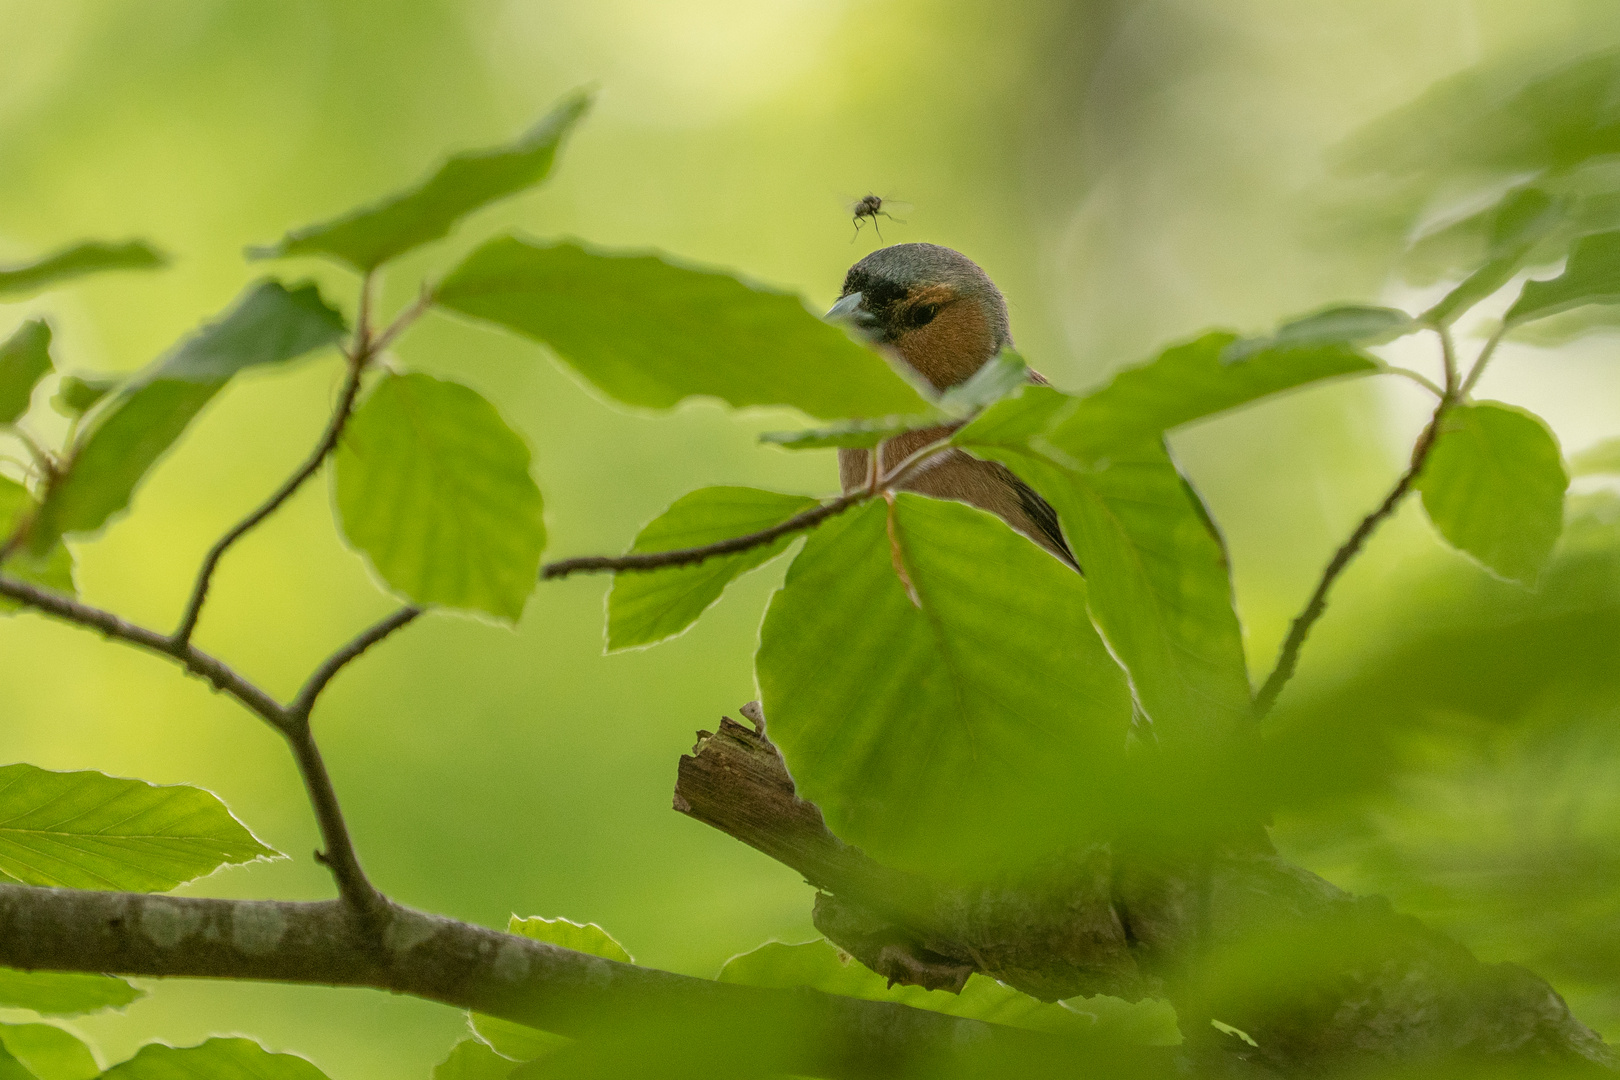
(435, 489)
(49, 1052)
(1523, 219)
(859, 433)
(651, 333)
(905, 708)
(1159, 584)
(86, 830)
(1185, 383)
(25, 357)
(368, 237)
(1001, 375)
(11, 1068)
(1592, 276)
(90, 257)
(216, 1059)
(54, 570)
(76, 395)
(820, 966)
(1602, 459)
(1342, 324)
(523, 1043)
(269, 324)
(472, 1059)
(648, 606)
(1494, 487)
(61, 993)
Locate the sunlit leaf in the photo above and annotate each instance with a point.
(1000, 376)
(269, 324)
(648, 606)
(1344, 324)
(856, 433)
(216, 1059)
(473, 1059)
(49, 1052)
(905, 706)
(1601, 459)
(76, 395)
(523, 1043)
(86, 830)
(87, 258)
(435, 488)
(61, 993)
(1592, 276)
(1185, 383)
(25, 357)
(53, 570)
(651, 332)
(11, 1068)
(1159, 584)
(372, 235)
(1494, 487)
(820, 966)
(1518, 224)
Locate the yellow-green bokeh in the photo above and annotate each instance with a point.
(1128, 172)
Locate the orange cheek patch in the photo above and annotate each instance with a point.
(952, 347)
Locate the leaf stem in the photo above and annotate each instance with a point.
(1418, 377)
(808, 519)
(1300, 628)
(1484, 358)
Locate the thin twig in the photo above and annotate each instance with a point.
(1418, 377)
(337, 853)
(358, 360)
(1448, 352)
(1485, 355)
(194, 660)
(304, 703)
(403, 320)
(808, 519)
(1288, 655)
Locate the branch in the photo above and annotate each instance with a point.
(194, 660)
(305, 701)
(518, 979)
(1322, 980)
(809, 519)
(292, 722)
(328, 443)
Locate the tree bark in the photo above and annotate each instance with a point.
(1322, 981)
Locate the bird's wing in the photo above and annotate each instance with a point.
(1043, 517)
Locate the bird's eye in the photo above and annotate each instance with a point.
(923, 314)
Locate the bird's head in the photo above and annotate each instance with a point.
(932, 305)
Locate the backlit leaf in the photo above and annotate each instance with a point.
(54, 570)
(89, 257)
(906, 708)
(372, 235)
(76, 394)
(11, 1068)
(473, 1059)
(1522, 220)
(857, 433)
(86, 830)
(1188, 382)
(1494, 487)
(523, 1043)
(1601, 459)
(651, 332)
(1159, 585)
(269, 324)
(645, 606)
(435, 489)
(49, 1052)
(216, 1059)
(1592, 276)
(1344, 324)
(63, 993)
(25, 357)
(820, 966)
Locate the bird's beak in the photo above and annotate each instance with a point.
(850, 310)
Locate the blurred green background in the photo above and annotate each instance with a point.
(1128, 172)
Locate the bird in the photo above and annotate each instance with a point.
(941, 314)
